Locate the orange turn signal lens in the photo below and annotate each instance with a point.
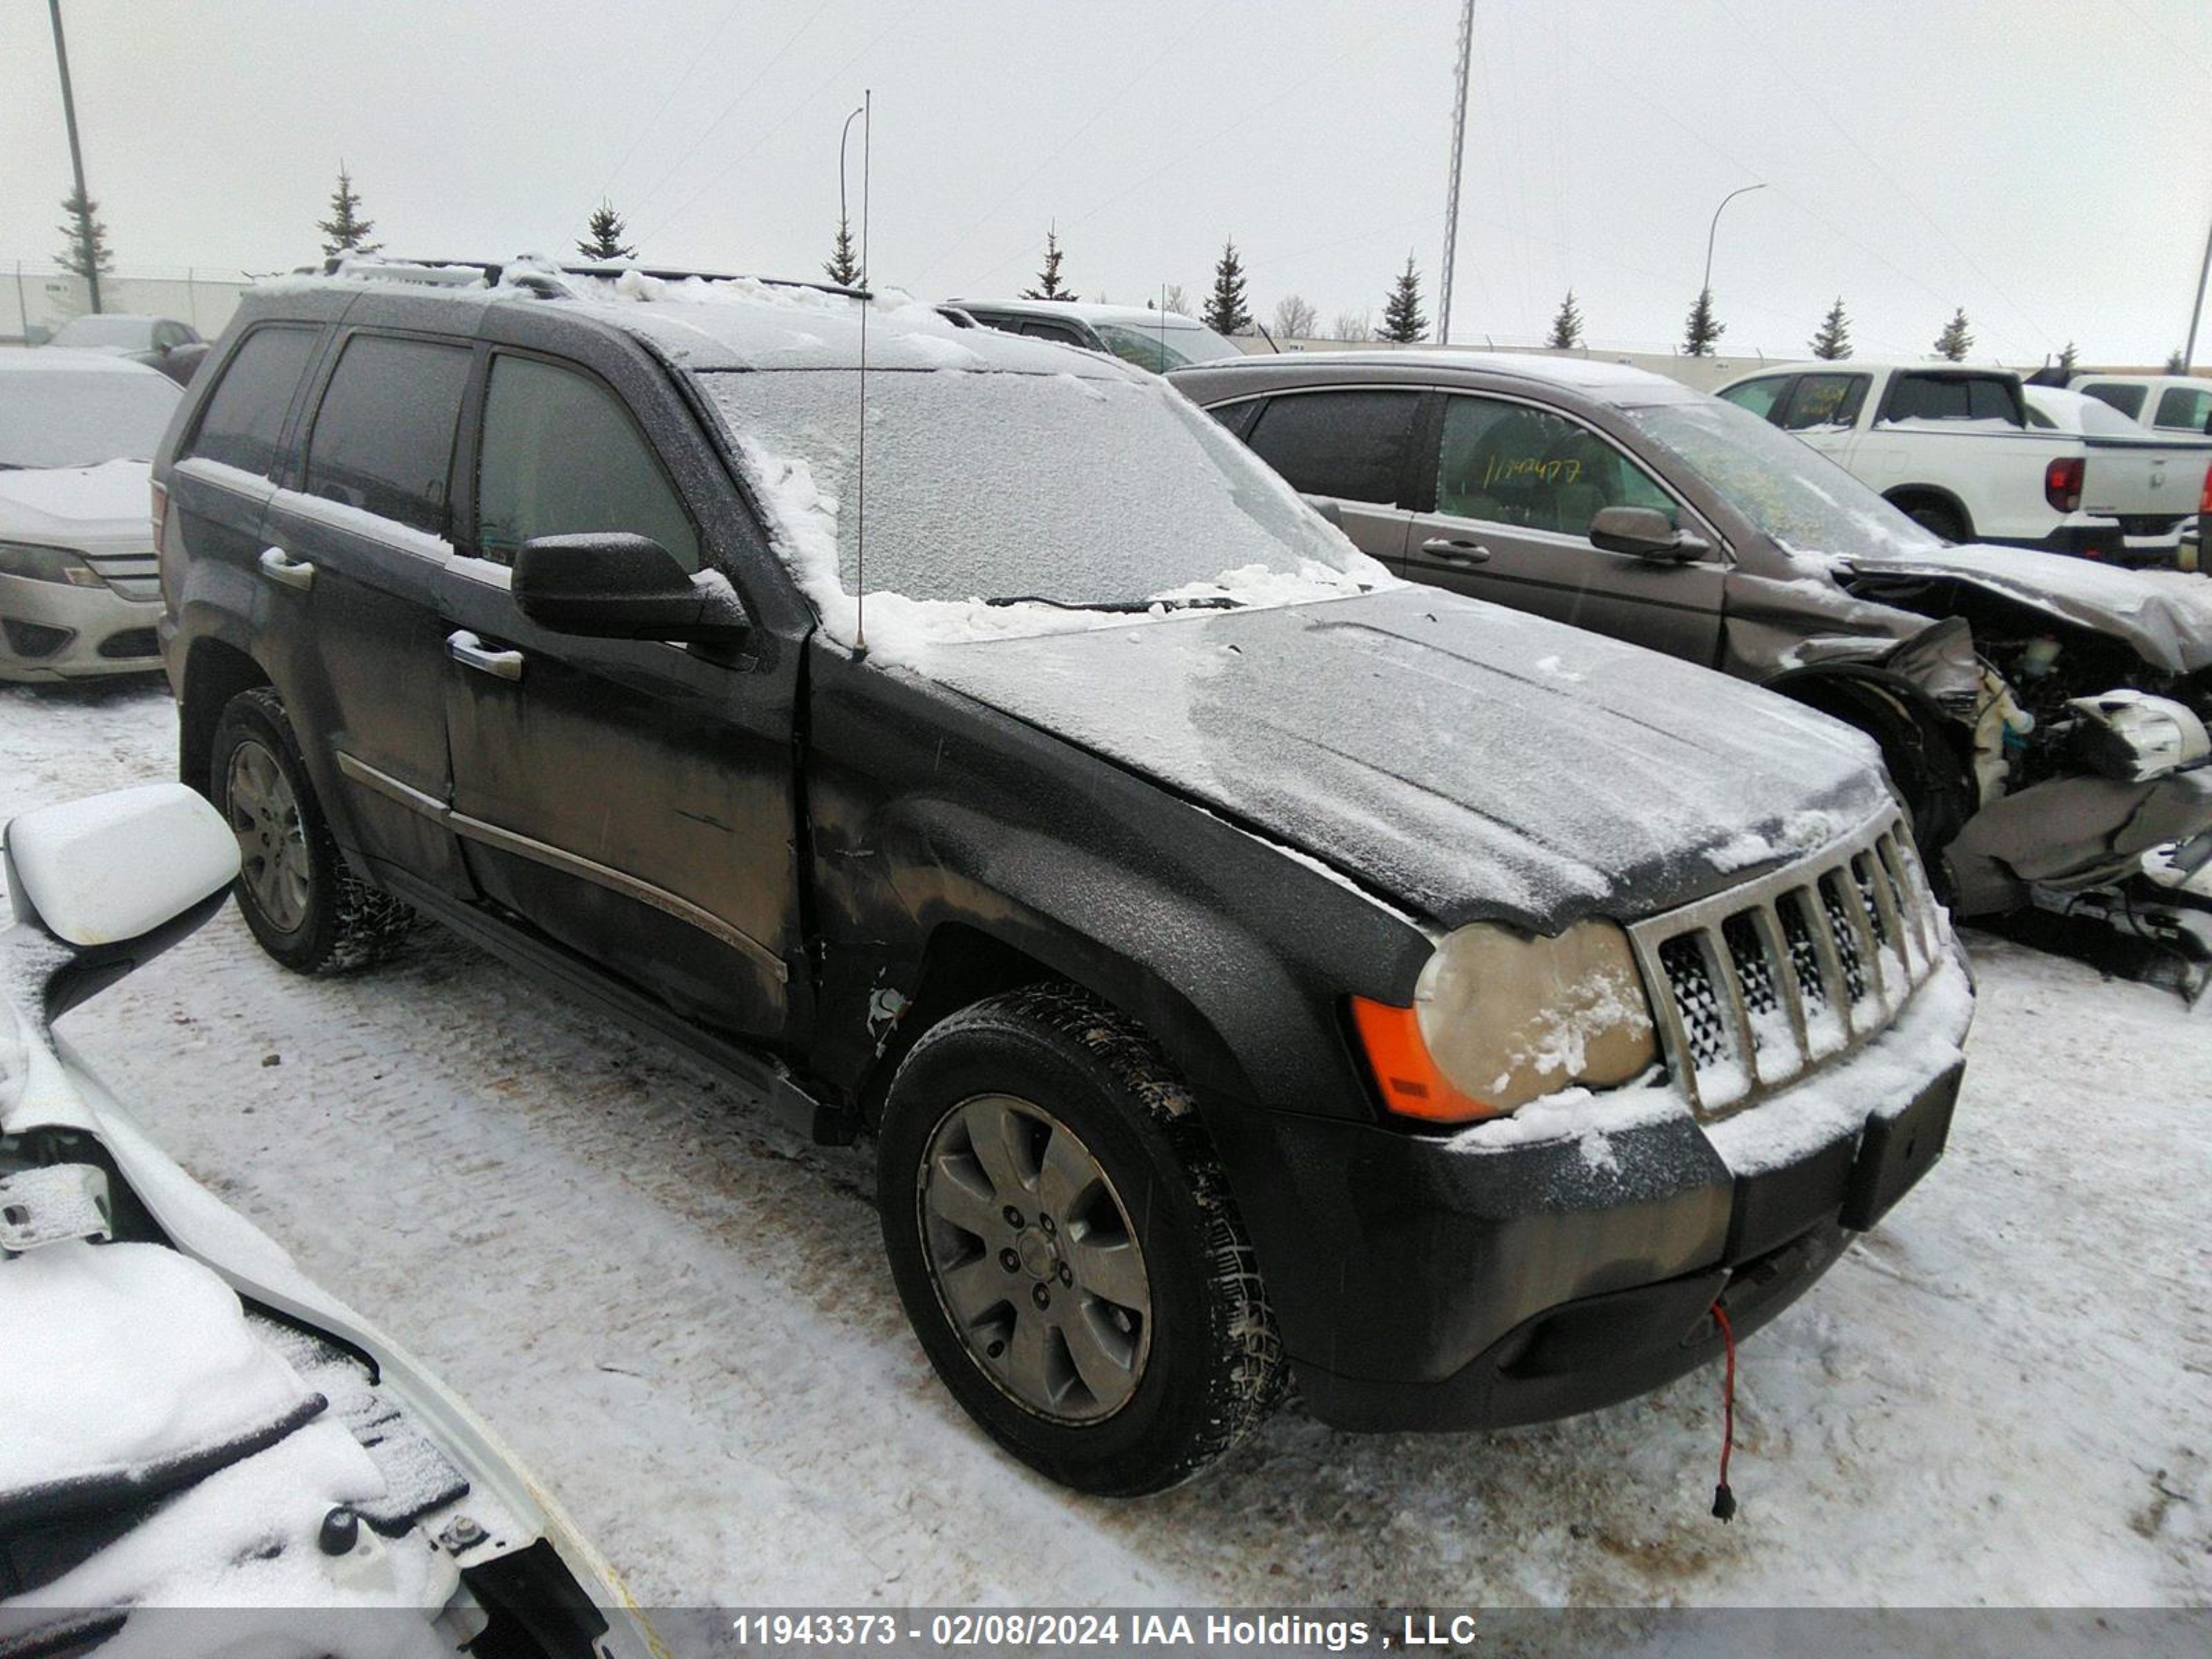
(1411, 1085)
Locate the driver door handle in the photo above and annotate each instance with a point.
(283, 568)
(466, 650)
(1453, 551)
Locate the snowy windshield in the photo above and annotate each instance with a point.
(128, 333)
(1791, 491)
(1161, 347)
(64, 418)
(996, 486)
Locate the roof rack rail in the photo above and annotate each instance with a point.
(462, 273)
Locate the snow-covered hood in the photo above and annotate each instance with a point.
(74, 505)
(2166, 616)
(1465, 761)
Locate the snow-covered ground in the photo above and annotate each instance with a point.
(679, 1315)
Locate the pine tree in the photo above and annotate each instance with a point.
(1049, 286)
(1225, 312)
(1833, 342)
(1956, 339)
(1567, 326)
(1703, 328)
(87, 251)
(603, 240)
(348, 233)
(842, 267)
(2068, 360)
(1402, 321)
(2178, 363)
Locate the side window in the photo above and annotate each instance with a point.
(1237, 417)
(1951, 398)
(562, 457)
(1825, 402)
(383, 439)
(1507, 464)
(2186, 409)
(2128, 399)
(1350, 444)
(1060, 331)
(243, 423)
(1759, 396)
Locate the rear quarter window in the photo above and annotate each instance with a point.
(383, 439)
(243, 425)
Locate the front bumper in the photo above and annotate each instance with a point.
(1424, 1283)
(56, 631)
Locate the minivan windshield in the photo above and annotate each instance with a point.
(1080, 492)
(1791, 491)
(80, 418)
(1169, 344)
(108, 333)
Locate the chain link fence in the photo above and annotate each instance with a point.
(37, 298)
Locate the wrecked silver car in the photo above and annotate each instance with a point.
(2044, 718)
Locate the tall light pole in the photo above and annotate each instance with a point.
(843, 133)
(87, 251)
(1706, 287)
(1451, 189)
(2189, 351)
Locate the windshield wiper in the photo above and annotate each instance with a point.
(1207, 602)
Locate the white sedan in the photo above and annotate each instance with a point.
(79, 590)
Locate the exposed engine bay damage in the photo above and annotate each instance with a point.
(2090, 755)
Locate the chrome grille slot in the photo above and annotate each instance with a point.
(1758, 986)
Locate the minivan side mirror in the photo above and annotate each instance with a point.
(613, 586)
(1647, 532)
(1327, 507)
(114, 880)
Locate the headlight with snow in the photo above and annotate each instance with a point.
(1501, 1017)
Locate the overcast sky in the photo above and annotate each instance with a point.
(2045, 164)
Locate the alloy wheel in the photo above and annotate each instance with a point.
(272, 842)
(1033, 1259)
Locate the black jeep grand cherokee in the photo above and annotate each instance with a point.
(1249, 966)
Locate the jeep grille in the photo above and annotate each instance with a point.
(1757, 987)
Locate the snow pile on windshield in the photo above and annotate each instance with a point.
(1001, 504)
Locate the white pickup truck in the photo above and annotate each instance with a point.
(1956, 449)
(2161, 403)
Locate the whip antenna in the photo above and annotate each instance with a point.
(861, 466)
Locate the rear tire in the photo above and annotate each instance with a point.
(1121, 1345)
(1939, 519)
(308, 910)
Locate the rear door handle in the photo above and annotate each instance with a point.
(1454, 551)
(282, 567)
(466, 650)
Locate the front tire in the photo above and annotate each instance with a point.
(308, 910)
(1062, 1238)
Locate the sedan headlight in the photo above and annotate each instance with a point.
(47, 564)
(1500, 1018)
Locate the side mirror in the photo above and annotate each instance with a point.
(1327, 508)
(1647, 532)
(114, 879)
(622, 587)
